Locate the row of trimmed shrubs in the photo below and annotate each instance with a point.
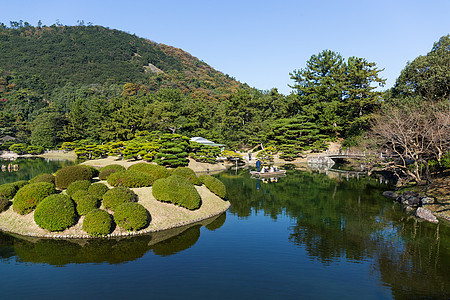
(176, 186)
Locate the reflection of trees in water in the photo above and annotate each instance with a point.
(31, 167)
(113, 251)
(335, 219)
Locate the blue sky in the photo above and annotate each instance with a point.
(261, 42)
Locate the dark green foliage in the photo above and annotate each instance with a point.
(98, 189)
(20, 183)
(187, 173)
(131, 216)
(8, 190)
(130, 178)
(97, 223)
(104, 174)
(214, 185)
(108, 170)
(155, 171)
(94, 171)
(78, 185)
(43, 178)
(177, 190)
(118, 195)
(55, 213)
(85, 202)
(4, 203)
(30, 195)
(67, 175)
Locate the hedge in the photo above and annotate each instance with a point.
(85, 202)
(98, 189)
(77, 186)
(43, 178)
(20, 183)
(188, 173)
(177, 190)
(28, 196)
(214, 185)
(67, 175)
(55, 213)
(130, 178)
(108, 170)
(155, 171)
(8, 190)
(131, 216)
(118, 195)
(97, 223)
(94, 171)
(4, 203)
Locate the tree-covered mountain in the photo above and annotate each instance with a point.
(46, 57)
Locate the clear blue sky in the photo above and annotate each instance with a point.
(261, 42)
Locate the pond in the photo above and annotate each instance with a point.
(305, 235)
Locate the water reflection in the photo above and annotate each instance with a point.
(337, 219)
(113, 251)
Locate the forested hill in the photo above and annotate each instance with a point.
(51, 56)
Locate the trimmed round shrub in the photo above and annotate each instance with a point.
(214, 185)
(108, 170)
(97, 222)
(93, 170)
(85, 202)
(177, 190)
(20, 183)
(67, 175)
(98, 189)
(155, 171)
(78, 185)
(8, 191)
(118, 195)
(187, 173)
(28, 196)
(55, 213)
(43, 178)
(130, 178)
(4, 203)
(131, 216)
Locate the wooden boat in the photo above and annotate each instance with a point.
(268, 174)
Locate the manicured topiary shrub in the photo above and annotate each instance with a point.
(94, 171)
(4, 203)
(118, 195)
(77, 186)
(20, 183)
(177, 190)
(28, 196)
(98, 189)
(214, 185)
(8, 190)
(130, 178)
(97, 223)
(131, 216)
(155, 171)
(67, 175)
(188, 173)
(85, 202)
(43, 178)
(55, 213)
(108, 170)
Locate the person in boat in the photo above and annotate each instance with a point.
(258, 165)
(271, 170)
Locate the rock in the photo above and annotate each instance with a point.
(426, 200)
(426, 214)
(408, 194)
(411, 201)
(390, 194)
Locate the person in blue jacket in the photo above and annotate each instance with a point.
(258, 165)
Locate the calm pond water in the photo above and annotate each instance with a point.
(305, 236)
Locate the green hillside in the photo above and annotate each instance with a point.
(95, 55)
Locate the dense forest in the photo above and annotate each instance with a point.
(90, 85)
